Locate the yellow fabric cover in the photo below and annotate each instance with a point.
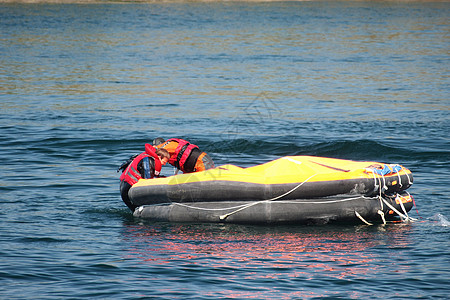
(288, 169)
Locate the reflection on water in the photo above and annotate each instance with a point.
(266, 252)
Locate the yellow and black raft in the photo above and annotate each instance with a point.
(291, 189)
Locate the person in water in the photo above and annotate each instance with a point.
(145, 165)
(185, 156)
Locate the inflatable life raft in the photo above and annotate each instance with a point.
(291, 189)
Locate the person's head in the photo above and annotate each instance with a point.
(158, 141)
(163, 155)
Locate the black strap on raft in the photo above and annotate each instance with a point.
(124, 165)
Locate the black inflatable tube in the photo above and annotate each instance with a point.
(297, 211)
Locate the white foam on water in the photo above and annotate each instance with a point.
(442, 221)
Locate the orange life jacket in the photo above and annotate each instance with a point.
(131, 173)
(185, 155)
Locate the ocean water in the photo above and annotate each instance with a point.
(84, 86)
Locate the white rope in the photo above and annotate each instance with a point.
(381, 213)
(210, 209)
(380, 189)
(361, 218)
(398, 213)
(384, 184)
(263, 201)
(381, 202)
(322, 202)
(375, 185)
(377, 182)
(223, 217)
(409, 179)
(399, 179)
(402, 206)
(407, 176)
(384, 179)
(394, 209)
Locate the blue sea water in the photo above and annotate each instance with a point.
(84, 86)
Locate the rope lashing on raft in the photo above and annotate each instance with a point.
(400, 179)
(381, 213)
(263, 201)
(402, 206)
(223, 217)
(362, 219)
(387, 169)
(409, 179)
(405, 218)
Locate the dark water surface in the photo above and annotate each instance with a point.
(82, 87)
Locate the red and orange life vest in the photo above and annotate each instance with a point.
(131, 173)
(184, 156)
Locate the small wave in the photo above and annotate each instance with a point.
(357, 149)
(44, 240)
(441, 220)
(163, 105)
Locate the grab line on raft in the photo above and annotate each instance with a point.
(211, 209)
(264, 201)
(404, 218)
(381, 213)
(406, 173)
(361, 218)
(223, 217)
(402, 206)
(320, 202)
